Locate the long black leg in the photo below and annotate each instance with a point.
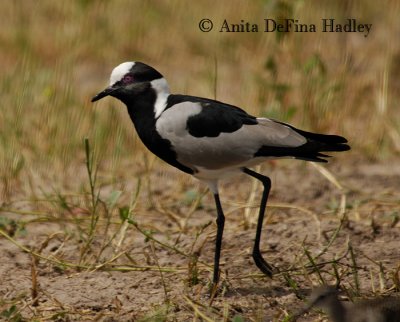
(218, 242)
(258, 259)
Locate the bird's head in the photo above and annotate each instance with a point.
(130, 79)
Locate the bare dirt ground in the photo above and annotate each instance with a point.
(305, 216)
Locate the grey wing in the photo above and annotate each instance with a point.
(228, 148)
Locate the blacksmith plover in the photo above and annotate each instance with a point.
(210, 139)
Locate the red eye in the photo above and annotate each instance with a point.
(127, 79)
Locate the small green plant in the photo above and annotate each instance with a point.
(10, 226)
(238, 318)
(12, 314)
(94, 200)
(158, 314)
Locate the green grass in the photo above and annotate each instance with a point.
(55, 55)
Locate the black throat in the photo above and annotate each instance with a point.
(141, 112)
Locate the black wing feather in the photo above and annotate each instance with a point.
(218, 117)
(215, 117)
(311, 150)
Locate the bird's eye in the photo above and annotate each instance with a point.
(127, 79)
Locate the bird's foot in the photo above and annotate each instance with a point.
(264, 267)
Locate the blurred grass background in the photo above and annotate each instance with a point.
(56, 55)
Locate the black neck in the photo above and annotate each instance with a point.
(141, 112)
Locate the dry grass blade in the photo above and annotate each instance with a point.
(197, 310)
(328, 175)
(356, 278)
(34, 280)
(126, 221)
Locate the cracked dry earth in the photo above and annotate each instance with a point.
(304, 216)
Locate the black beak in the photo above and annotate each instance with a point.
(104, 93)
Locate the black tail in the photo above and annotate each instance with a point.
(311, 150)
(317, 143)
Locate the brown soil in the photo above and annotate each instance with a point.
(371, 229)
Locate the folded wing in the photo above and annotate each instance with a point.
(213, 135)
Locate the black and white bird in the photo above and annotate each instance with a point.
(210, 139)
